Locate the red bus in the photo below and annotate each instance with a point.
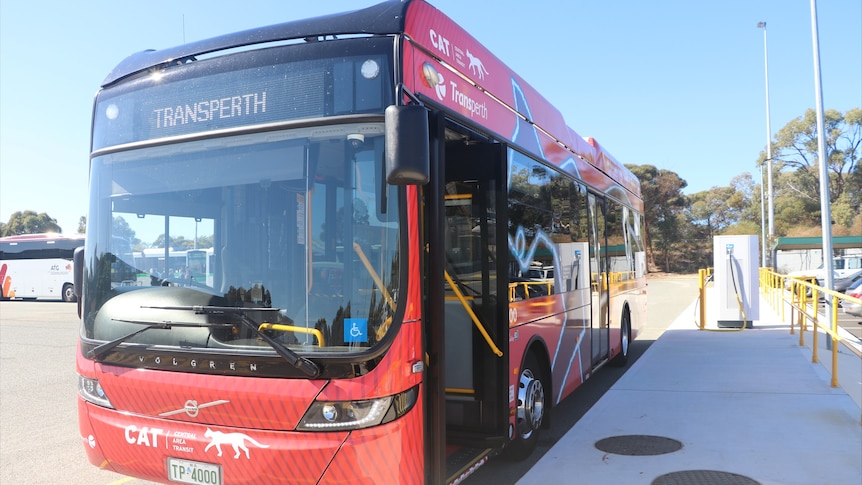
(414, 257)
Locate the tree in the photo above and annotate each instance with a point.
(181, 243)
(29, 222)
(795, 148)
(120, 228)
(82, 225)
(680, 229)
(663, 202)
(711, 209)
(720, 209)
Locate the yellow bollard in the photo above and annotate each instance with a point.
(701, 273)
(804, 325)
(781, 282)
(834, 341)
(815, 298)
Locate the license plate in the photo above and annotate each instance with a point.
(193, 472)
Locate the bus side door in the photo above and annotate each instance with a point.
(600, 330)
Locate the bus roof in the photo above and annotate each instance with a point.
(431, 32)
(45, 236)
(381, 19)
(475, 83)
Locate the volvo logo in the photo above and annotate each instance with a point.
(192, 408)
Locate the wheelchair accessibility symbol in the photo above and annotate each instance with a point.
(355, 330)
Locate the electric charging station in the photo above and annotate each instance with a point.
(736, 279)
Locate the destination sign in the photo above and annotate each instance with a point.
(154, 107)
(236, 98)
(250, 104)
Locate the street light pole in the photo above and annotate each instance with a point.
(825, 208)
(763, 261)
(770, 195)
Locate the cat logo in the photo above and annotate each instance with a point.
(476, 66)
(236, 440)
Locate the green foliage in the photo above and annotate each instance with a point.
(29, 222)
(680, 229)
(843, 211)
(181, 243)
(120, 228)
(742, 228)
(795, 149)
(791, 212)
(663, 202)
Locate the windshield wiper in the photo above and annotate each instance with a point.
(106, 347)
(306, 366)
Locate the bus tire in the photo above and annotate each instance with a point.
(531, 409)
(69, 293)
(625, 340)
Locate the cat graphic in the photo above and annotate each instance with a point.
(237, 440)
(476, 65)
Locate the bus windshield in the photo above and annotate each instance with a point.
(297, 227)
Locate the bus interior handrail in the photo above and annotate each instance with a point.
(473, 316)
(293, 328)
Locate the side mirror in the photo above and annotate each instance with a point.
(408, 159)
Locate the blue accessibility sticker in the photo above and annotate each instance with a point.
(355, 330)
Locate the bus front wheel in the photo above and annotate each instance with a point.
(531, 409)
(68, 293)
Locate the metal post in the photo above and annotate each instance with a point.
(762, 219)
(770, 197)
(702, 289)
(825, 208)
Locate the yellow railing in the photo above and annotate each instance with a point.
(545, 288)
(802, 297)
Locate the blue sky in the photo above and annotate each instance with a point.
(671, 83)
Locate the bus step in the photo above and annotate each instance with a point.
(463, 461)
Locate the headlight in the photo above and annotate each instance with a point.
(350, 415)
(92, 391)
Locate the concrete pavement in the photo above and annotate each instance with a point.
(704, 407)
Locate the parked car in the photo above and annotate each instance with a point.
(846, 269)
(855, 290)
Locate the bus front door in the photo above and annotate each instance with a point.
(475, 304)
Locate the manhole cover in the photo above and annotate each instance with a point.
(638, 445)
(703, 477)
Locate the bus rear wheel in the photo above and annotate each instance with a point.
(531, 409)
(625, 339)
(68, 293)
